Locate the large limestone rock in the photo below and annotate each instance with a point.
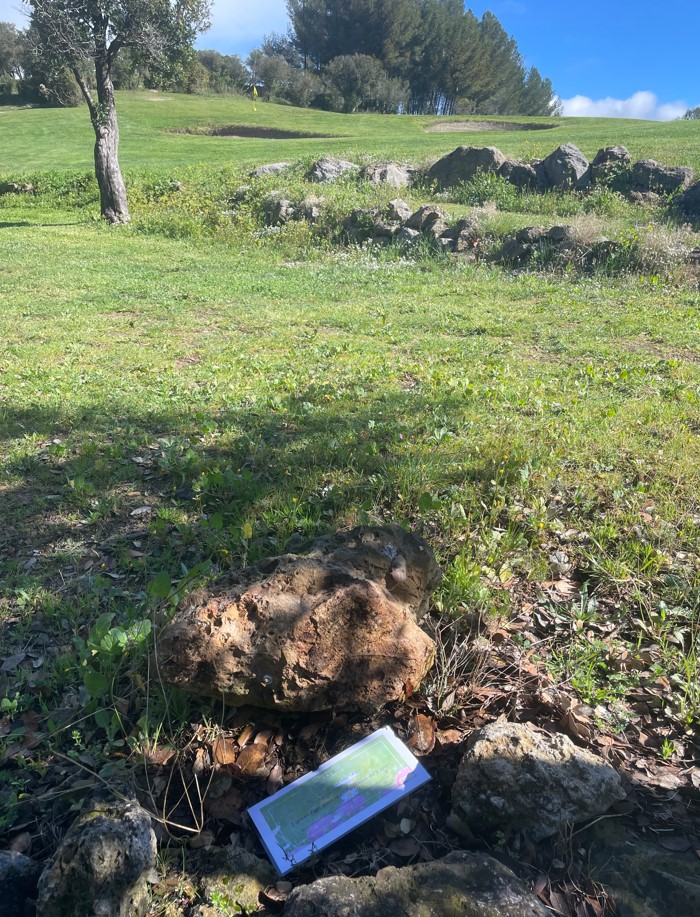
(329, 169)
(649, 175)
(515, 776)
(463, 163)
(333, 625)
(566, 168)
(18, 879)
(689, 201)
(459, 885)
(102, 867)
(387, 173)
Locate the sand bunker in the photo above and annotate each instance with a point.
(449, 127)
(246, 132)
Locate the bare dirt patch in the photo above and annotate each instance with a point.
(458, 127)
(248, 132)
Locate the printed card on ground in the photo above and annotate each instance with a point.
(305, 817)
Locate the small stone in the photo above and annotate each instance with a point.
(233, 876)
(514, 776)
(425, 216)
(398, 210)
(18, 880)
(408, 237)
(103, 865)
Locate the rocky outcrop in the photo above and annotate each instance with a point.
(18, 880)
(649, 175)
(516, 777)
(102, 867)
(387, 173)
(459, 885)
(462, 165)
(566, 169)
(333, 625)
(329, 169)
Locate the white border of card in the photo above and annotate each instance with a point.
(398, 785)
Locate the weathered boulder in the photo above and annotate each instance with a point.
(18, 880)
(609, 162)
(649, 175)
(514, 252)
(331, 626)
(520, 174)
(310, 208)
(408, 237)
(689, 201)
(530, 235)
(425, 216)
(231, 877)
(561, 235)
(398, 210)
(384, 229)
(387, 173)
(566, 168)
(278, 211)
(329, 169)
(463, 163)
(102, 867)
(271, 168)
(359, 224)
(515, 776)
(459, 885)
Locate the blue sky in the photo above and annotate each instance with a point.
(623, 58)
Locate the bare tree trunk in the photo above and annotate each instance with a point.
(109, 177)
(103, 114)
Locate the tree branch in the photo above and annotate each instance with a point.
(86, 92)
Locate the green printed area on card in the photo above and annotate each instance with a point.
(350, 788)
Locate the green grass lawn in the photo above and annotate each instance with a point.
(172, 405)
(53, 139)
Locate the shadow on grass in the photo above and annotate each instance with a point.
(228, 486)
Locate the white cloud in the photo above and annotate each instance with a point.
(643, 105)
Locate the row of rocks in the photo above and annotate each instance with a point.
(512, 778)
(13, 187)
(566, 168)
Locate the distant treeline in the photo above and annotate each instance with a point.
(414, 56)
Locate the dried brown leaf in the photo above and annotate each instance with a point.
(251, 761)
(422, 740)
